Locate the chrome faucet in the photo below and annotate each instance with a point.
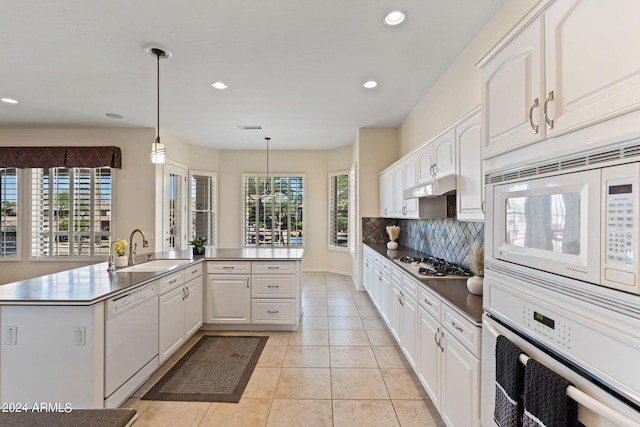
(111, 265)
(132, 247)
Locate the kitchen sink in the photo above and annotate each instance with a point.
(155, 265)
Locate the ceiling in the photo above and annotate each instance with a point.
(294, 67)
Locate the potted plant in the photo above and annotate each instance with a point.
(119, 248)
(198, 246)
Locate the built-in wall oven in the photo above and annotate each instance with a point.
(561, 278)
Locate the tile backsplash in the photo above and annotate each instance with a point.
(446, 238)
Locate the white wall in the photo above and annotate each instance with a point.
(315, 167)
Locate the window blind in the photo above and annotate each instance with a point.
(203, 207)
(339, 210)
(8, 212)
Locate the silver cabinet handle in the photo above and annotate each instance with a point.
(385, 211)
(484, 205)
(188, 291)
(228, 267)
(184, 294)
(273, 286)
(171, 282)
(273, 311)
(247, 283)
(533, 126)
(429, 303)
(546, 115)
(194, 271)
(455, 326)
(435, 169)
(273, 268)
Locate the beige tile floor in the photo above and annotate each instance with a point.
(340, 368)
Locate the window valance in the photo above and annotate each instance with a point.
(67, 157)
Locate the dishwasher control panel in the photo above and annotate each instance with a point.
(122, 303)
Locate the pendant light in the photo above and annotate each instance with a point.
(157, 148)
(266, 193)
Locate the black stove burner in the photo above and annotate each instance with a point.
(436, 266)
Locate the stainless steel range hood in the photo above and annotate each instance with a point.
(439, 187)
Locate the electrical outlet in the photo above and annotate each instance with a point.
(11, 335)
(79, 335)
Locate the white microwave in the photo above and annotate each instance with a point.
(582, 225)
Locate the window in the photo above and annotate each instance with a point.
(276, 220)
(203, 206)
(71, 212)
(339, 210)
(8, 212)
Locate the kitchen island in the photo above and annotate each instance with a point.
(62, 332)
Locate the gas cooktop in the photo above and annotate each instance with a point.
(433, 267)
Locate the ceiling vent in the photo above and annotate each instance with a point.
(250, 127)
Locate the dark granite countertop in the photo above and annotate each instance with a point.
(92, 284)
(74, 418)
(452, 291)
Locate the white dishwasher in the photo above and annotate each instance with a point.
(131, 343)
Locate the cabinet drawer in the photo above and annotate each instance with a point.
(429, 302)
(192, 272)
(273, 286)
(171, 281)
(410, 287)
(227, 267)
(269, 267)
(462, 329)
(280, 311)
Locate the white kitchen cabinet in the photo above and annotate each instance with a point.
(437, 158)
(179, 310)
(460, 400)
(171, 323)
(193, 307)
(386, 295)
(395, 318)
(512, 95)
(409, 336)
(256, 294)
(588, 66)
(229, 298)
(387, 194)
(469, 185)
(567, 69)
(429, 358)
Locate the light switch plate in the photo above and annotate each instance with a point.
(79, 335)
(11, 335)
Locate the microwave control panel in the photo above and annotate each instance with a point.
(620, 220)
(619, 256)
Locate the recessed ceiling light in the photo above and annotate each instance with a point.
(370, 84)
(219, 85)
(114, 116)
(9, 100)
(394, 18)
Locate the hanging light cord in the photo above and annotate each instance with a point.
(158, 52)
(268, 184)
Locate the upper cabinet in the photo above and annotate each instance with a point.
(569, 68)
(512, 92)
(470, 189)
(437, 158)
(393, 181)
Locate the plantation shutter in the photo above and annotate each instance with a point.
(8, 212)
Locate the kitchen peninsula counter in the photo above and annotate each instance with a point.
(454, 291)
(92, 284)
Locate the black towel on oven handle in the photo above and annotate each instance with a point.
(509, 384)
(545, 398)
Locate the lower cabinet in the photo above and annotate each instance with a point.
(441, 345)
(449, 370)
(253, 293)
(179, 312)
(229, 298)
